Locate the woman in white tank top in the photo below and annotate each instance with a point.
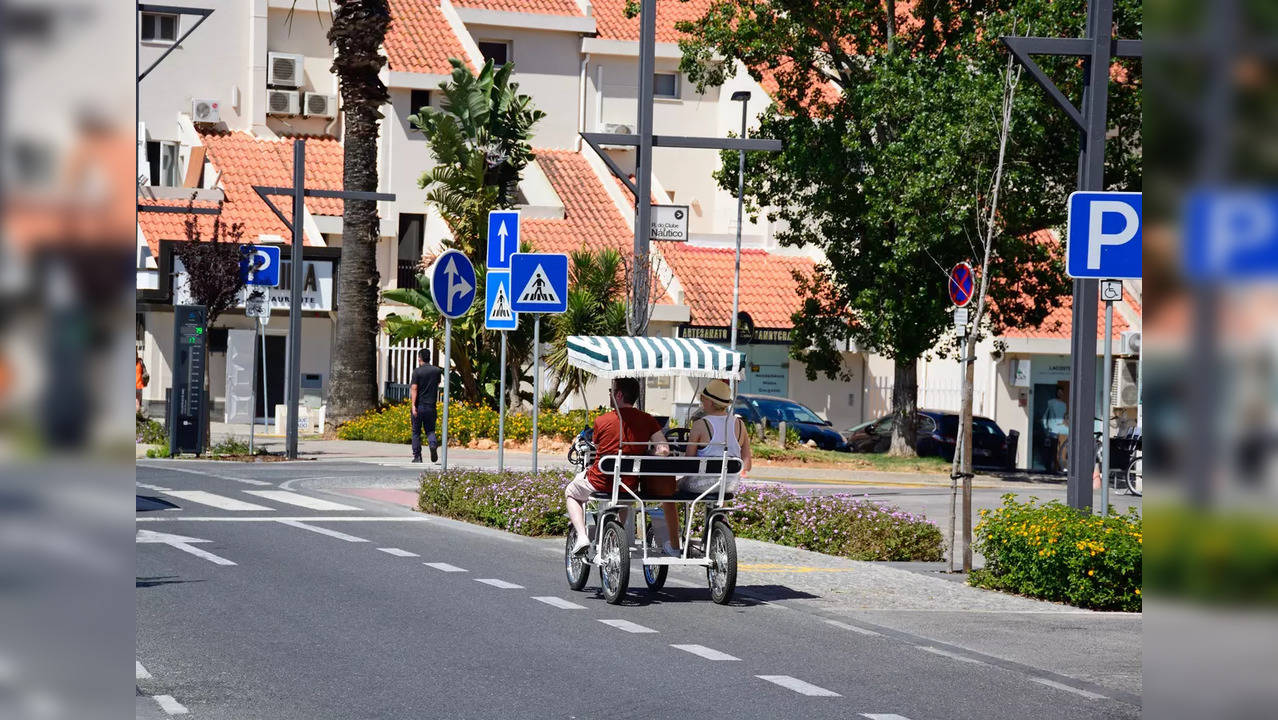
(713, 431)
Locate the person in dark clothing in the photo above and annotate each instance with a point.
(423, 394)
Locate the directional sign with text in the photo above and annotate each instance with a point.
(497, 312)
(503, 238)
(962, 284)
(264, 261)
(1104, 236)
(452, 283)
(539, 282)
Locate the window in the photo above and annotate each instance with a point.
(144, 254)
(783, 410)
(495, 50)
(418, 99)
(665, 85)
(159, 27)
(162, 157)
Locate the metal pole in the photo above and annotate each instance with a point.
(1109, 399)
(266, 398)
(536, 385)
(448, 357)
(1091, 176)
(293, 390)
(501, 410)
(643, 170)
(736, 274)
(253, 397)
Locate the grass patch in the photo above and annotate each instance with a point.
(840, 525)
(856, 461)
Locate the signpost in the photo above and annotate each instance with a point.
(452, 288)
(1104, 241)
(257, 304)
(503, 242)
(962, 284)
(540, 284)
(186, 402)
(669, 223)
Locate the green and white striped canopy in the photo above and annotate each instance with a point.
(610, 357)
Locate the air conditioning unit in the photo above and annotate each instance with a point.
(1126, 390)
(320, 105)
(204, 110)
(283, 102)
(1129, 343)
(619, 129)
(284, 70)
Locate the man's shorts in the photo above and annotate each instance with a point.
(579, 489)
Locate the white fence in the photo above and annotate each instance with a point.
(395, 362)
(935, 395)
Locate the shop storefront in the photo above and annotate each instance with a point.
(767, 352)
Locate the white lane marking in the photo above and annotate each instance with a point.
(948, 654)
(142, 674)
(797, 685)
(218, 501)
(853, 628)
(1067, 688)
(628, 626)
(169, 705)
(325, 518)
(705, 652)
(499, 583)
(884, 716)
(247, 481)
(322, 531)
(305, 501)
(558, 602)
(445, 567)
(398, 553)
(183, 543)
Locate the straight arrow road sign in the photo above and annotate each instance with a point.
(183, 543)
(503, 238)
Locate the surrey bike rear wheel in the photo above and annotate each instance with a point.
(654, 575)
(614, 561)
(721, 548)
(574, 565)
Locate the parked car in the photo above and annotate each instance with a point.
(937, 434)
(775, 410)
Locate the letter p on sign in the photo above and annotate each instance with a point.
(1104, 236)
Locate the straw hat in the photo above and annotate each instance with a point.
(718, 392)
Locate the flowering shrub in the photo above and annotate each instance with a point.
(1056, 553)
(833, 524)
(466, 422)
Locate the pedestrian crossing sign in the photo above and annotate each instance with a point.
(498, 314)
(539, 282)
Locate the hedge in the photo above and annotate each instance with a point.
(1218, 555)
(466, 422)
(1054, 552)
(834, 524)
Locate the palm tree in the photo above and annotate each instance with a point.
(358, 30)
(596, 306)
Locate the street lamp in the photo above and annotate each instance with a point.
(743, 97)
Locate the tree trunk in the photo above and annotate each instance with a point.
(905, 403)
(963, 451)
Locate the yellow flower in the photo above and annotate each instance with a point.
(1137, 591)
(1091, 572)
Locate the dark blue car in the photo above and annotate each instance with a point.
(809, 425)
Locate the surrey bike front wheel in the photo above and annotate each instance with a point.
(721, 549)
(574, 565)
(614, 561)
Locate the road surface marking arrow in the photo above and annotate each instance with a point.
(183, 543)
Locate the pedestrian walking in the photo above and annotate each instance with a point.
(141, 378)
(423, 397)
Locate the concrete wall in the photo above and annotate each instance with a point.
(836, 400)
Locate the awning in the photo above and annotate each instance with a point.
(610, 357)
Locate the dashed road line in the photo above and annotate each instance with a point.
(853, 628)
(169, 705)
(884, 716)
(141, 673)
(628, 626)
(558, 602)
(799, 686)
(499, 583)
(398, 553)
(218, 501)
(300, 500)
(948, 654)
(705, 652)
(1062, 686)
(322, 531)
(445, 567)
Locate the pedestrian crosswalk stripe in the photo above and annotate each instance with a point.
(628, 626)
(141, 673)
(1062, 686)
(218, 501)
(705, 652)
(948, 654)
(539, 289)
(169, 705)
(499, 583)
(853, 628)
(398, 553)
(445, 567)
(799, 686)
(300, 500)
(558, 602)
(323, 531)
(501, 305)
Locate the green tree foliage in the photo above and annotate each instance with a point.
(596, 306)
(889, 116)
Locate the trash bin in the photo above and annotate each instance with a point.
(1013, 442)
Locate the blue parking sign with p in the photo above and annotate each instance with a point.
(1103, 239)
(260, 265)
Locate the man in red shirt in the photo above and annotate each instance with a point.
(638, 431)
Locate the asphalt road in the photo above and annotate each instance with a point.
(257, 597)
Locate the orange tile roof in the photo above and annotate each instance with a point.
(591, 220)
(419, 39)
(1058, 322)
(539, 7)
(769, 291)
(612, 23)
(157, 226)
